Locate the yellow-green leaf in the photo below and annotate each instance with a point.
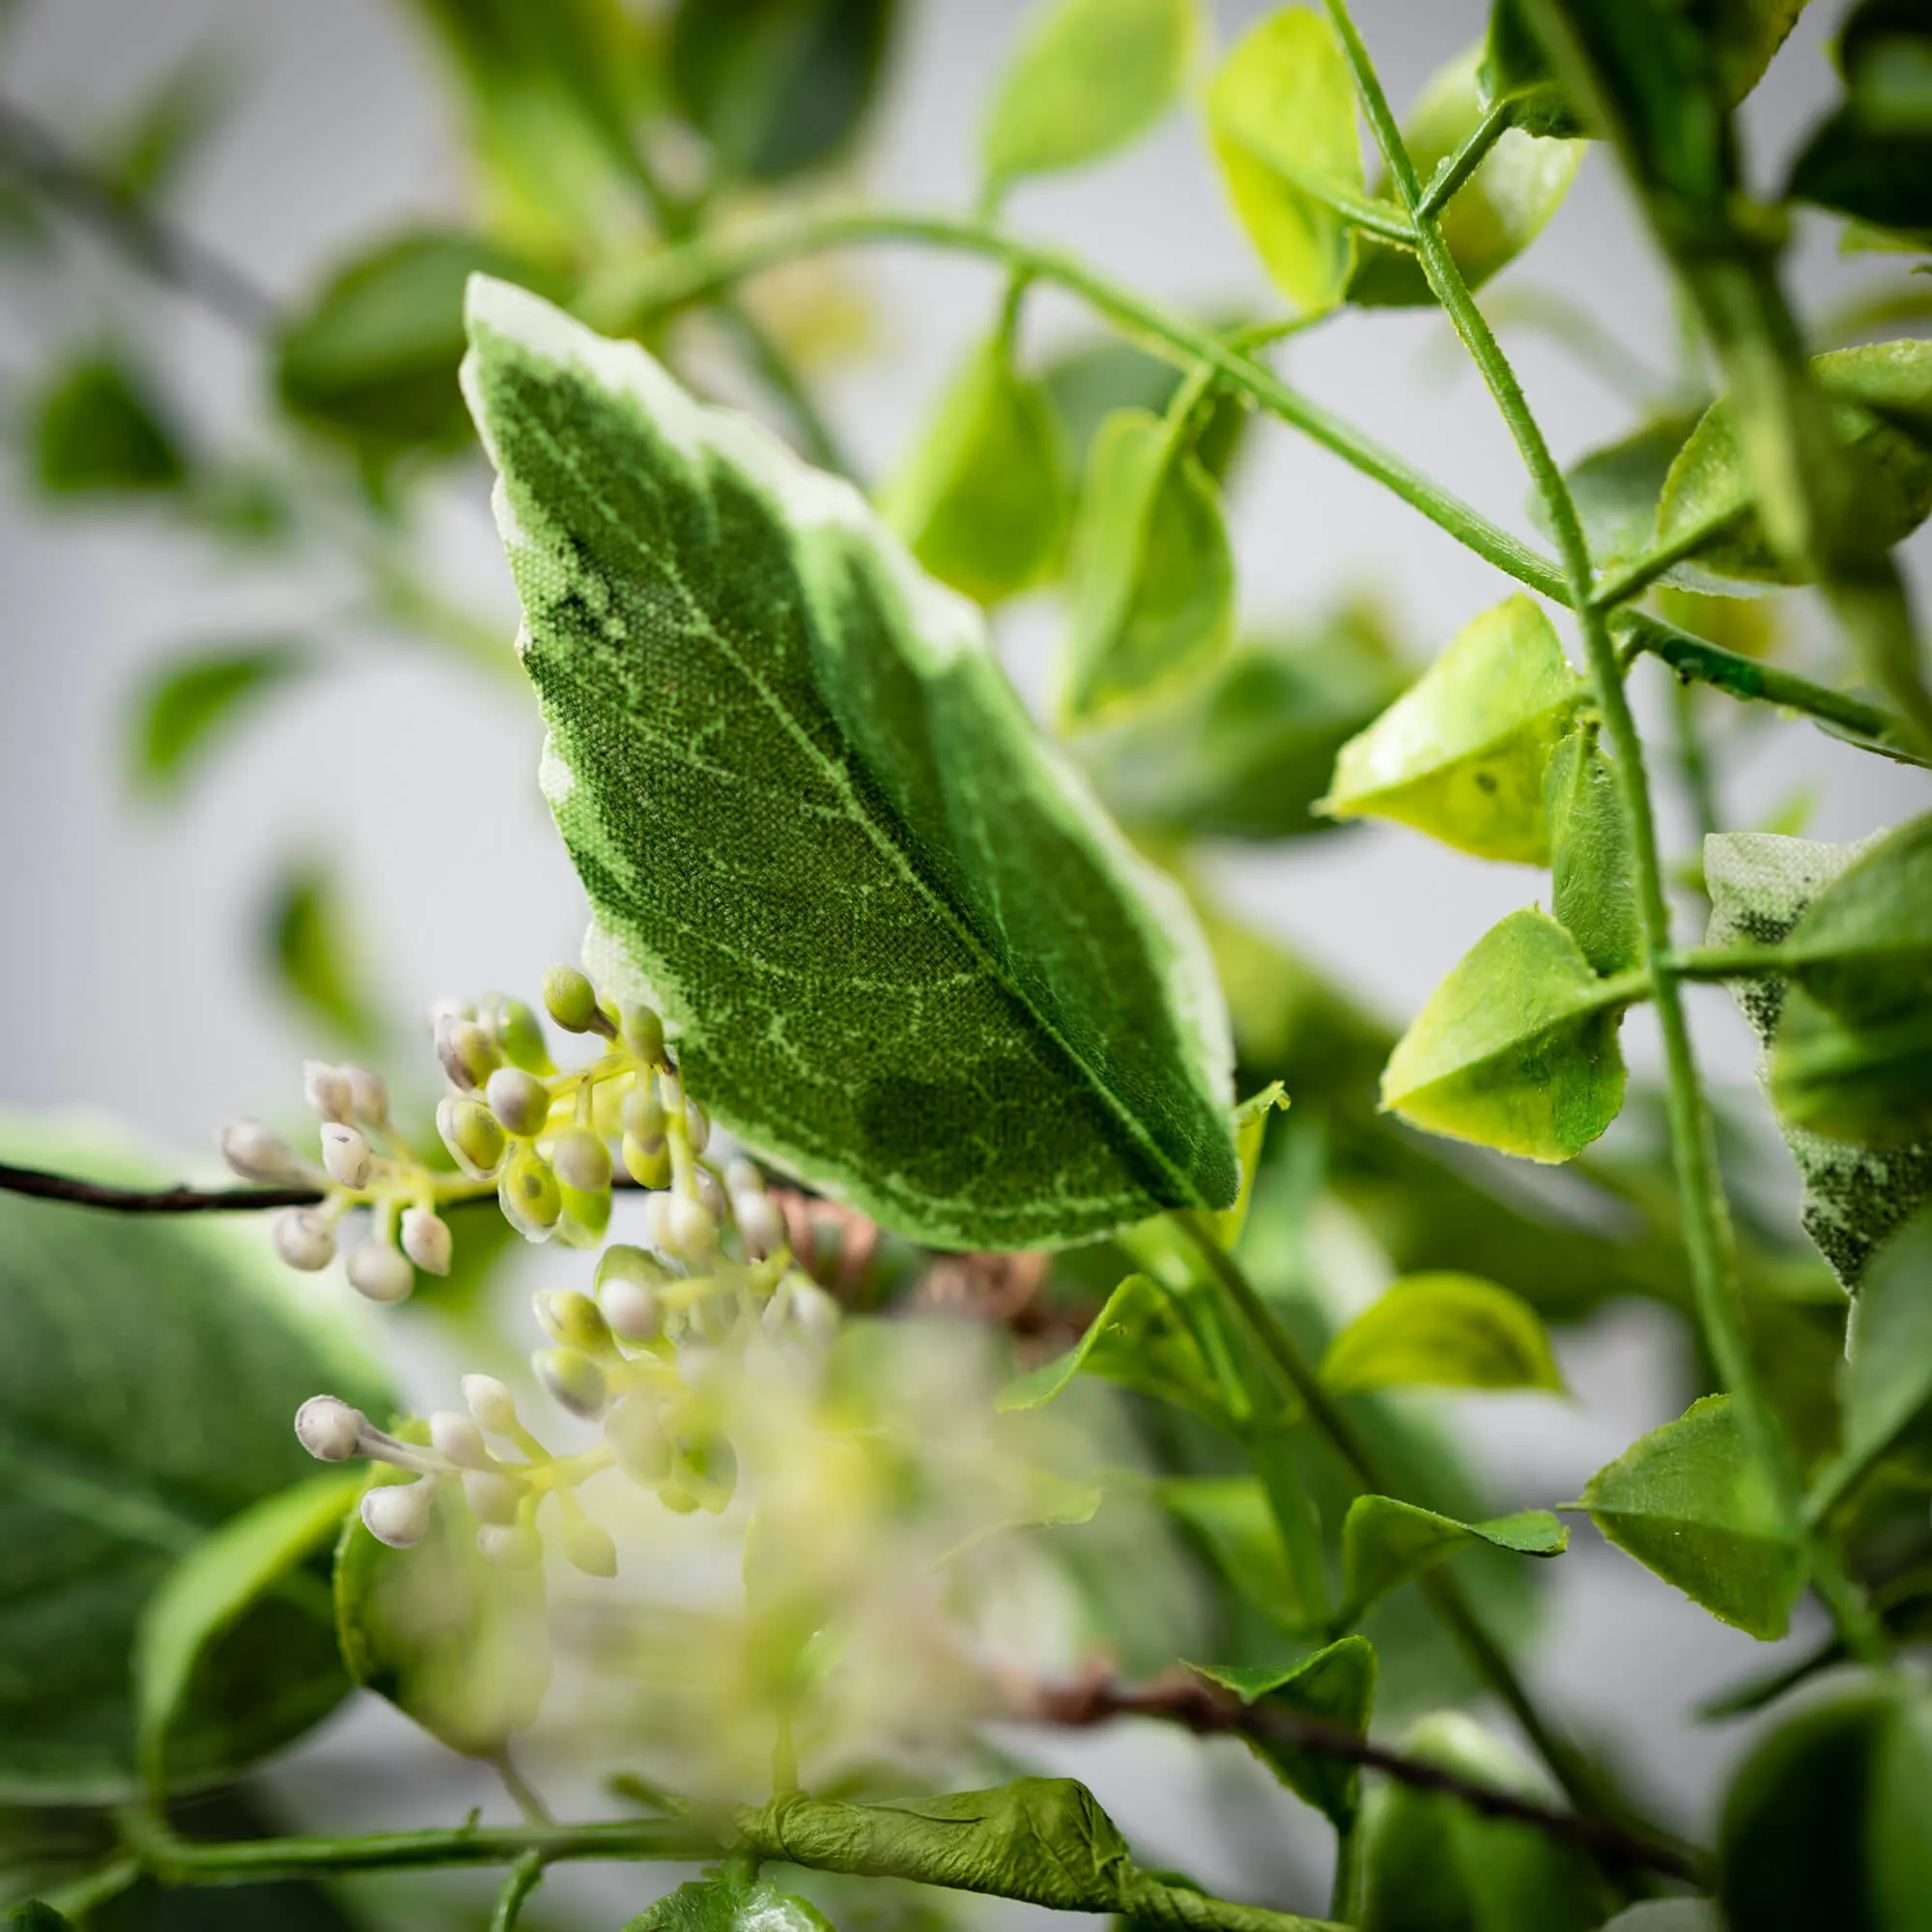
(1088, 77)
(1691, 1502)
(982, 501)
(1444, 1330)
(1592, 879)
(1151, 576)
(1870, 1086)
(1516, 1049)
(1282, 114)
(1464, 753)
(1494, 216)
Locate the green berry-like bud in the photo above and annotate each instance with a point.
(642, 1030)
(633, 1310)
(582, 1160)
(518, 1030)
(589, 1548)
(698, 1129)
(470, 1133)
(469, 1054)
(646, 1162)
(644, 1112)
(572, 1319)
(519, 1099)
(571, 1001)
(690, 1228)
(491, 1403)
(574, 1381)
(621, 1262)
(637, 1439)
(528, 1195)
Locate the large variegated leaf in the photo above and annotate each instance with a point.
(904, 953)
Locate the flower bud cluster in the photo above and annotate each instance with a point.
(365, 1164)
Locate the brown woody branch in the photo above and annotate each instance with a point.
(1182, 1697)
(44, 1186)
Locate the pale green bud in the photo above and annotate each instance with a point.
(469, 1054)
(744, 1177)
(346, 1155)
(509, 1545)
(698, 1129)
(607, 1109)
(257, 1152)
(378, 1271)
(327, 1091)
(677, 1496)
(304, 1238)
(575, 1382)
(491, 1403)
(519, 1099)
(470, 1133)
(426, 1241)
(582, 1160)
(528, 1193)
(455, 1436)
(690, 1228)
(572, 1319)
(589, 1548)
(644, 1112)
(639, 1439)
(518, 1030)
(398, 1512)
(492, 1497)
(571, 1001)
(643, 1032)
(646, 1162)
(710, 1468)
(632, 1309)
(368, 1096)
(760, 1223)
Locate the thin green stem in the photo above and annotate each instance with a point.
(1694, 763)
(774, 369)
(1729, 962)
(1632, 578)
(1464, 161)
(523, 1794)
(695, 272)
(526, 1875)
(1708, 1232)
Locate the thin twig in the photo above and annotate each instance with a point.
(166, 251)
(526, 1875)
(44, 1186)
(1181, 1698)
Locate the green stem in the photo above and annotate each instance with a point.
(1708, 1231)
(1739, 676)
(1730, 963)
(526, 1875)
(1464, 162)
(772, 368)
(695, 272)
(1632, 578)
(523, 1794)
(1694, 763)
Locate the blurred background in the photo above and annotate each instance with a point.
(387, 812)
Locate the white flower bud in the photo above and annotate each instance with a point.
(455, 1436)
(657, 1222)
(450, 1007)
(519, 1100)
(426, 1241)
(510, 1546)
(744, 1177)
(639, 1439)
(255, 1151)
(327, 1090)
(491, 1403)
(469, 1054)
(814, 1311)
(571, 1001)
(696, 1126)
(304, 1238)
(646, 1162)
(574, 1381)
(582, 1160)
(632, 1309)
(643, 1032)
(378, 1271)
(711, 1193)
(470, 1133)
(329, 1429)
(369, 1097)
(398, 1512)
(492, 1497)
(690, 1229)
(346, 1155)
(572, 1319)
(589, 1548)
(644, 1113)
(760, 1223)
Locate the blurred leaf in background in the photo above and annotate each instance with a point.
(1087, 382)
(186, 707)
(98, 427)
(309, 947)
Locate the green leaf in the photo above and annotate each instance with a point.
(263, 1550)
(1854, 1197)
(156, 138)
(1336, 1684)
(730, 1902)
(1446, 1331)
(1616, 489)
(983, 499)
(99, 429)
(1885, 1383)
(1138, 1340)
(1881, 404)
(1281, 111)
(1871, 158)
(186, 706)
(1150, 573)
(1864, 947)
(1592, 877)
(1051, 111)
(150, 1372)
(778, 86)
(1462, 754)
(456, 1643)
(1516, 1049)
(37, 1916)
(779, 755)
(1829, 1820)
(1867, 1085)
(309, 946)
(1230, 1517)
(1088, 384)
(1386, 1544)
(1689, 1502)
(371, 359)
(1244, 751)
(1431, 1862)
(1494, 216)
